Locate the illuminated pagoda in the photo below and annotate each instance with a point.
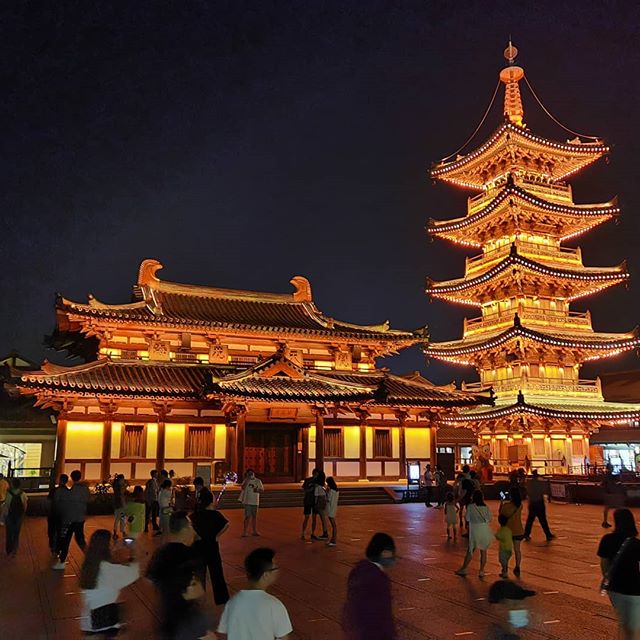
(205, 380)
(526, 343)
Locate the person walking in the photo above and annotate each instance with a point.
(480, 535)
(451, 517)
(619, 554)
(536, 491)
(512, 509)
(119, 505)
(333, 494)
(101, 580)
(165, 502)
(254, 613)
(368, 611)
(14, 510)
(428, 485)
(177, 554)
(152, 508)
(320, 494)
(53, 518)
(613, 494)
(505, 538)
(72, 507)
(188, 619)
(308, 503)
(250, 498)
(210, 525)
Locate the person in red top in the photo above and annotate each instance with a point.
(367, 611)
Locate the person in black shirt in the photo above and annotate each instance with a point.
(176, 555)
(210, 524)
(619, 554)
(308, 504)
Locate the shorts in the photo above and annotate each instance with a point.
(309, 509)
(520, 537)
(250, 510)
(628, 609)
(504, 555)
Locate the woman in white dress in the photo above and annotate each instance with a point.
(480, 534)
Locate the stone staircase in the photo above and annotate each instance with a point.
(274, 497)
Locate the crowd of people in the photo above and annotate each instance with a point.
(190, 551)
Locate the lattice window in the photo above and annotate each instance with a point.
(333, 443)
(132, 443)
(576, 448)
(382, 447)
(199, 442)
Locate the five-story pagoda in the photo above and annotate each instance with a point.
(526, 343)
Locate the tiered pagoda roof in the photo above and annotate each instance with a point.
(513, 148)
(515, 209)
(583, 345)
(173, 305)
(516, 274)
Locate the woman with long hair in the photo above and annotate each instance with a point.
(512, 510)
(187, 620)
(619, 554)
(480, 535)
(101, 580)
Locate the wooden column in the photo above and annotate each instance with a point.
(433, 439)
(319, 439)
(232, 452)
(105, 463)
(61, 444)
(363, 449)
(304, 435)
(402, 453)
(240, 441)
(160, 444)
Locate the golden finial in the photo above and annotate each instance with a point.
(511, 75)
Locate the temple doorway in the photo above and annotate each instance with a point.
(270, 451)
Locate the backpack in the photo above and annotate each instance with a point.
(16, 507)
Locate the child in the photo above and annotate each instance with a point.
(332, 508)
(505, 537)
(451, 517)
(135, 513)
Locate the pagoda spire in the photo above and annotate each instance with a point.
(511, 76)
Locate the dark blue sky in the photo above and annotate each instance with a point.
(242, 143)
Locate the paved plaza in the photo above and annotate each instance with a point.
(429, 600)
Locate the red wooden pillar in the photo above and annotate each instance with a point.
(241, 441)
(319, 440)
(61, 444)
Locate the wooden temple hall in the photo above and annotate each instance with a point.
(200, 379)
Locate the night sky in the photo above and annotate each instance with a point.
(242, 143)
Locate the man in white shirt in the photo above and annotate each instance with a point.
(253, 614)
(250, 498)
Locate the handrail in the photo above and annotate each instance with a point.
(525, 247)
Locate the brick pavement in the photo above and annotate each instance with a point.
(430, 601)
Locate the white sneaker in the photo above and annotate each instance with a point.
(59, 566)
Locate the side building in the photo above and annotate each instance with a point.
(205, 380)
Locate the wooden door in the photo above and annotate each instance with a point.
(269, 451)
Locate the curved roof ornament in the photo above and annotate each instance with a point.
(147, 272)
(302, 291)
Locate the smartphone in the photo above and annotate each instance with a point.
(504, 495)
(128, 540)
